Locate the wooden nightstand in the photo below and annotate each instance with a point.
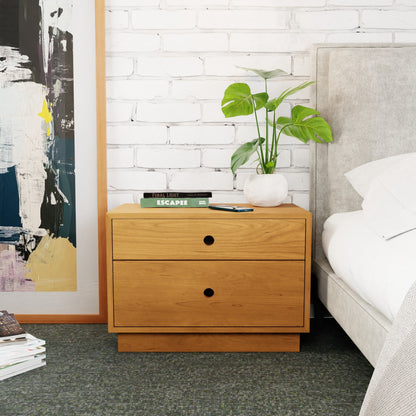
(195, 279)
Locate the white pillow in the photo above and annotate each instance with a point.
(400, 181)
(361, 177)
(390, 202)
(385, 215)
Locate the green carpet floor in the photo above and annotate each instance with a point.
(85, 375)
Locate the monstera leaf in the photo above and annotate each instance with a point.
(238, 100)
(304, 127)
(273, 104)
(243, 153)
(266, 74)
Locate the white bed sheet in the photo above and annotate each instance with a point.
(380, 271)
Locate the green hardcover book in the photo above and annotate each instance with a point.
(174, 202)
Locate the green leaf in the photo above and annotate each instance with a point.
(260, 99)
(238, 100)
(304, 127)
(266, 74)
(243, 153)
(273, 104)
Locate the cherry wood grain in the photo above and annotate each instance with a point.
(208, 342)
(135, 211)
(277, 239)
(245, 293)
(258, 266)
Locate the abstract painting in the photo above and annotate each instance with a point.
(51, 106)
(37, 164)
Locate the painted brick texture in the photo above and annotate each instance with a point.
(168, 63)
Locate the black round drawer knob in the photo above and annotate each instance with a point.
(208, 292)
(209, 240)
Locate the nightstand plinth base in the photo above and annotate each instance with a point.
(208, 342)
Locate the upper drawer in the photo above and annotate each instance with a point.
(153, 239)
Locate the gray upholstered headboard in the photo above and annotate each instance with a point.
(367, 93)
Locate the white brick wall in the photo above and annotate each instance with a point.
(163, 19)
(168, 157)
(169, 61)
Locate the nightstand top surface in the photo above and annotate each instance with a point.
(135, 211)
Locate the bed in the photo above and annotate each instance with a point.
(367, 94)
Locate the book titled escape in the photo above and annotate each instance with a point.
(174, 202)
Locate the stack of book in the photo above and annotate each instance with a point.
(19, 351)
(175, 199)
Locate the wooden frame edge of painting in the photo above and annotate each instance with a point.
(73, 141)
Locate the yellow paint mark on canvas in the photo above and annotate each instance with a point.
(46, 115)
(53, 265)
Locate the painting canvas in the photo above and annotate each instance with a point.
(37, 164)
(40, 44)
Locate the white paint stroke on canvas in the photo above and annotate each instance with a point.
(23, 140)
(12, 63)
(23, 133)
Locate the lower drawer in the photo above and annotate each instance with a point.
(208, 293)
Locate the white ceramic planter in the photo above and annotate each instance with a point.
(266, 190)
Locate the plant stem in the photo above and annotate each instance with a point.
(267, 128)
(274, 135)
(278, 137)
(258, 133)
(258, 154)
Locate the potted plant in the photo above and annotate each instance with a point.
(266, 188)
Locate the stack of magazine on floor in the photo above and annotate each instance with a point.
(175, 199)
(19, 351)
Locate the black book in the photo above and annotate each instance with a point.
(177, 195)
